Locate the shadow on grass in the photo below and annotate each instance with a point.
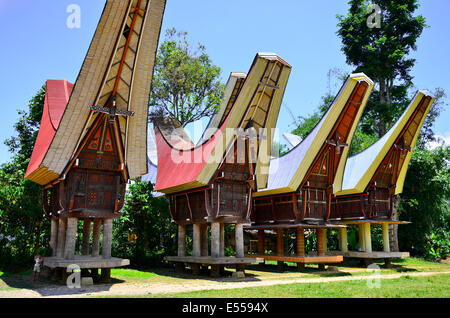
(205, 274)
(48, 288)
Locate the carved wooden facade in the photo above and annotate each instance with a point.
(95, 185)
(313, 200)
(227, 199)
(378, 199)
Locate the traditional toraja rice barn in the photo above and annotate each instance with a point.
(212, 183)
(374, 177)
(93, 135)
(302, 182)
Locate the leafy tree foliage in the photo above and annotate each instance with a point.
(144, 233)
(186, 84)
(425, 203)
(22, 227)
(306, 124)
(382, 53)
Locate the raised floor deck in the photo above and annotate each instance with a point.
(372, 255)
(86, 262)
(208, 260)
(301, 259)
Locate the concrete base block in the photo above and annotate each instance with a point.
(332, 269)
(239, 274)
(87, 281)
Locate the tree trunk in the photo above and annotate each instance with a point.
(381, 127)
(393, 228)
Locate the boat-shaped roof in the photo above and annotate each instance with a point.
(287, 172)
(361, 168)
(183, 166)
(119, 65)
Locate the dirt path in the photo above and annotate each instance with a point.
(127, 289)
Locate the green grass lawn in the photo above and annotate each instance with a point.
(432, 286)
(405, 287)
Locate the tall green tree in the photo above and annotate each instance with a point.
(426, 203)
(22, 227)
(144, 233)
(186, 84)
(382, 52)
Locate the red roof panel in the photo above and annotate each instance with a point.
(56, 97)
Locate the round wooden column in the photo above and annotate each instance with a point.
(261, 242)
(107, 238)
(204, 243)
(181, 240)
(280, 246)
(54, 236)
(61, 237)
(343, 243)
(86, 236)
(321, 241)
(215, 240)
(197, 237)
(386, 245)
(96, 237)
(71, 232)
(239, 237)
(300, 246)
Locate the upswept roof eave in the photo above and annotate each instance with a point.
(361, 167)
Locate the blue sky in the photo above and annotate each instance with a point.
(37, 45)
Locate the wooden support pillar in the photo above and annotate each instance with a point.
(215, 270)
(300, 242)
(386, 245)
(181, 240)
(239, 236)
(261, 242)
(300, 246)
(71, 232)
(86, 236)
(204, 240)
(343, 243)
(280, 246)
(320, 241)
(215, 240)
(362, 244)
(222, 240)
(107, 238)
(105, 276)
(367, 238)
(96, 237)
(196, 240)
(54, 236)
(61, 237)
